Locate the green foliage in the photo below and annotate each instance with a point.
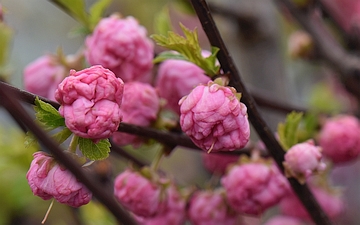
(189, 48)
(324, 100)
(15, 193)
(77, 10)
(61, 136)
(5, 38)
(288, 131)
(162, 22)
(47, 115)
(94, 213)
(30, 141)
(96, 12)
(94, 151)
(308, 127)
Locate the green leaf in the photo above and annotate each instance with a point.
(94, 151)
(321, 95)
(162, 22)
(61, 136)
(6, 35)
(96, 12)
(47, 115)
(168, 55)
(288, 131)
(75, 8)
(189, 47)
(30, 141)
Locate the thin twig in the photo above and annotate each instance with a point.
(255, 118)
(170, 139)
(16, 111)
(328, 48)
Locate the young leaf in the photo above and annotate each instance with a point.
(168, 55)
(75, 8)
(94, 151)
(97, 11)
(288, 131)
(30, 141)
(189, 47)
(48, 115)
(61, 136)
(162, 22)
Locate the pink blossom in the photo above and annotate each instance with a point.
(345, 12)
(176, 78)
(47, 179)
(214, 119)
(42, 76)
(283, 220)
(137, 193)
(302, 160)
(122, 46)
(210, 208)
(218, 163)
(90, 102)
(254, 187)
(340, 138)
(140, 106)
(331, 203)
(173, 211)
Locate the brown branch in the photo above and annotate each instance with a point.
(8, 101)
(255, 118)
(170, 139)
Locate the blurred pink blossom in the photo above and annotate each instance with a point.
(210, 208)
(42, 76)
(252, 188)
(340, 138)
(47, 179)
(121, 45)
(138, 194)
(140, 106)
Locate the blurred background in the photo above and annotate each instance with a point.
(257, 37)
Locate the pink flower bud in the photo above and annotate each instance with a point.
(173, 211)
(137, 193)
(214, 119)
(340, 138)
(302, 160)
(42, 76)
(140, 106)
(331, 203)
(210, 208)
(283, 220)
(90, 102)
(122, 46)
(218, 163)
(254, 187)
(176, 78)
(48, 179)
